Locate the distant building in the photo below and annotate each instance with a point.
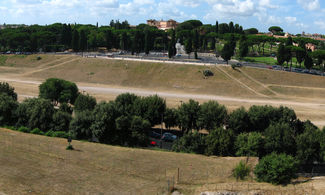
(163, 25)
(316, 36)
(4, 26)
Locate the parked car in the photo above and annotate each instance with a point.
(169, 137)
(154, 135)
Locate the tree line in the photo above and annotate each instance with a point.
(195, 35)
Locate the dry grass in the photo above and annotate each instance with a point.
(146, 75)
(245, 83)
(32, 164)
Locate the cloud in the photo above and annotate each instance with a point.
(309, 5)
(267, 4)
(290, 19)
(320, 24)
(231, 8)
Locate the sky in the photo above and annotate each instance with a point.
(294, 16)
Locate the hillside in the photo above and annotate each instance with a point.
(234, 88)
(33, 164)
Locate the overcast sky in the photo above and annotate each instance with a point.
(293, 16)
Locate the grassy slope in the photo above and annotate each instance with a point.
(146, 75)
(41, 165)
(32, 164)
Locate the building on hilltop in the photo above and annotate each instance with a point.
(4, 26)
(163, 25)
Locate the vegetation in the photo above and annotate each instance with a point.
(276, 169)
(58, 91)
(241, 171)
(127, 121)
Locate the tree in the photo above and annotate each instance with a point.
(171, 47)
(223, 28)
(58, 91)
(5, 88)
(287, 54)
(136, 43)
(212, 115)
(188, 45)
(251, 31)
(308, 146)
(220, 142)
(276, 169)
(190, 143)
(84, 102)
(147, 41)
(227, 52)
(83, 40)
(243, 46)
(150, 108)
(281, 54)
(217, 27)
(279, 138)
(170, 118)
(276, 29)
(80, 125)
(109, 39)
(61, 121)
(196, 43)
(75, 40)
(188, 115)
(231, 27)
(8, 108)
(249, 144)
(308, 61)
(239, 121)
(139, 127)
(103, 126)
(300, 54)
(35, 113)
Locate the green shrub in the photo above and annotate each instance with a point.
(24, 129)
(276, 169)
(208, 73)
(190, 143)
(61, 134)
(49, 133)
(38, 58)
(241, 171)
(37, 131)
(69, 147)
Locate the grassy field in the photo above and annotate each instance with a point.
(32, 164)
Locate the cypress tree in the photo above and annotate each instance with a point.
(281, 54)
(75, 40)
(83, 40)
(147, 42)
(196, 43)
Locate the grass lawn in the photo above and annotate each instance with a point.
(271, 61)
